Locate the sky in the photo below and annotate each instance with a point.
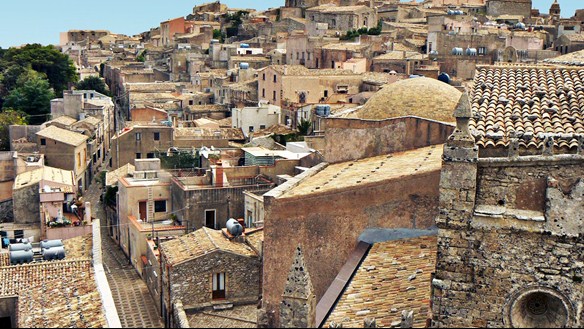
(41, 21)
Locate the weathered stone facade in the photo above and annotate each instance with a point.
(6, 214)
(298, 307)
(509, 7)
(191, 282)
(510, 240)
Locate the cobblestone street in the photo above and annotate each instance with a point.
(135, 306)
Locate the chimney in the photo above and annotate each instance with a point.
(87, 216)
(219, 174)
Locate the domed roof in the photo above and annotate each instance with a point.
(422, 97)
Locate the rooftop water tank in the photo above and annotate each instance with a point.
(20, 247)
(323, 110)
(244, 45)
(244, 66)
(46, 244)
(234, 228)
(457, 51)
(55, 253)
(471, 51)
(444, 77)
(21, 257)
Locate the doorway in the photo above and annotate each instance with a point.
(210, 218)
(143, 212)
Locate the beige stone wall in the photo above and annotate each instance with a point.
(363, 139)
(327, 226)
(509, 7)
(125, 146)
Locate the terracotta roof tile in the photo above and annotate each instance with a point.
(400, 271)
(200, 243)
(529, 103)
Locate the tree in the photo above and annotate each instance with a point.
(32, 96)
(92, 83)
(304, 127)
(57, 67)
(9, 117)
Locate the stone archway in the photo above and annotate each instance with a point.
(538, 307)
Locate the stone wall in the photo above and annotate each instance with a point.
(509, 7)
(328, 225)
(191, 282)
(26, 205)
(227, 202)
(6, 211)
(364, 139)
(483, 271)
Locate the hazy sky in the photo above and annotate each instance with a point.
(29, 21)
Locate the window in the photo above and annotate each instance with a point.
(138, 136)
(79, 160)
(138, 155)
(262, 127)
(249, 221)
(274, 96)
(18, 234)
(156, 136)
(191, 102)
(326, 93)
(251, 129)
(160, 206)
(275, 79)
(263, 92)
(43, 141)
(264, 77)
(482, 50)
(150, 155)
(219, 286)
(334, 23)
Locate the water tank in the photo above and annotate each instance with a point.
(520, 26)
(20, 247)
(21, 257)
(457, 51)
(213, 41)
(234, 228)
(434, 54)
(471, 51)
(450, 12)
(244, 66)
(55, 253)
(444, 77)
(244, 45)
(46, 244)
(323, 110)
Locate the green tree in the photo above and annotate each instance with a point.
(92, 83)
(9, 117)
(32, 96)
(304, 127)
(57, 67)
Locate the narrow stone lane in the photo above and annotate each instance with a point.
(135, 305)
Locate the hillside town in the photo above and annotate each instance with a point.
(324, 164)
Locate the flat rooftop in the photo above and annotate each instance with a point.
(370, 170)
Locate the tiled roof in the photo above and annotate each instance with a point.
(394, 277)
(399, 55)
(201, 243)
(238, 317)
(572, 59)
(578, 37)
(370, 170)
(62, 135)
(209, 133)
(298, 70)
(64, 120)
(255, 238)
(530, 103)
(331, 9)
(346, 46)
(47, 174)
(57, 294)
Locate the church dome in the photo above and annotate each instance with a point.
(422, 97)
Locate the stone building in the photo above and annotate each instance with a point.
(66, 150)
(286, 84)
(140, 142)
(509, 7)
(326, 18)
(510, 242)
(208, 270)
(569, 43)
(363, 184)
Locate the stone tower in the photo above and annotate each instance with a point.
(510, 242)
(555, 11)
(298, 307)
